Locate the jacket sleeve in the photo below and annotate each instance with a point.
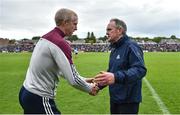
(69, 71)
(136, 67)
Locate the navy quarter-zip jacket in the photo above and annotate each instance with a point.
(127, 63)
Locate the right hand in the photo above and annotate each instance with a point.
(89, 80)
(104, 78)
(94, 90)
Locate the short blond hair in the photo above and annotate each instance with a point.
(64, 15)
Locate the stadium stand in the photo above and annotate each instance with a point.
(167, 45)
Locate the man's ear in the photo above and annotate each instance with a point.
(64, 22)
(120, 30)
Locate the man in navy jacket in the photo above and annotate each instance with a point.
(125, 72)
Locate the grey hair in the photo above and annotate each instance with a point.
(120, 24)
(64, 15)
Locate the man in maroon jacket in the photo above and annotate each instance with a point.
(52, 58)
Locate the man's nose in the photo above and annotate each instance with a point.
(75, 28)
(107, 33)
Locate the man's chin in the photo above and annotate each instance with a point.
(109, 40)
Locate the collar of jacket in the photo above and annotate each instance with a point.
(59, 31)
(119, 42)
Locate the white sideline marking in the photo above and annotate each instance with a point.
(158, 100)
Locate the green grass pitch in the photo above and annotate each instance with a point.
(163, 74)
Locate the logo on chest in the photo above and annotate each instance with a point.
(118, 57)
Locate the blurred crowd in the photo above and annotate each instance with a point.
(96, 47)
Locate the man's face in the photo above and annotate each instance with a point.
(112, 32)
(71, 26)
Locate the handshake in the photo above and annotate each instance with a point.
(100, 80)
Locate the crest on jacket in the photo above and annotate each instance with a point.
(118, 57)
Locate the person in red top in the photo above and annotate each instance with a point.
(50, 59)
